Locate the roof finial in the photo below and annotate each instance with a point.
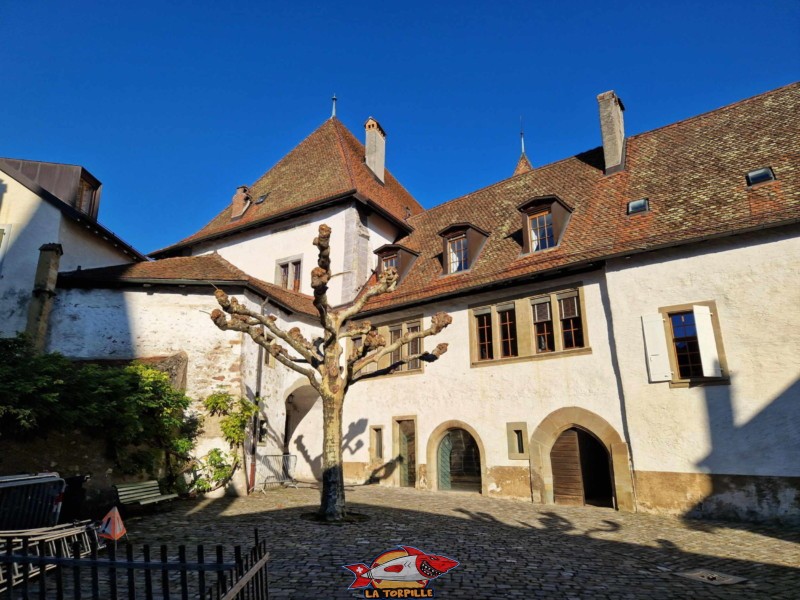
(521, 135)
(333, 112)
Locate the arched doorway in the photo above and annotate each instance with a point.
(581, 470)
(458, 462)
(572, 417)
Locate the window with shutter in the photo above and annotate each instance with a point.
(571, 326)
(5, 231)
(543, 328)
(684, 345)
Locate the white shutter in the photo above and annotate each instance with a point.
(706, 341)
(655, 344)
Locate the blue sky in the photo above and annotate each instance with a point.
(173, 104)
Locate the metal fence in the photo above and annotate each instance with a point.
(149, 574)
(30, 500)
(275, 469)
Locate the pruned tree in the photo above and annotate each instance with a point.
(321, 360)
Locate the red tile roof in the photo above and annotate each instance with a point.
(328, 164)
(194, 270)
(692, 171)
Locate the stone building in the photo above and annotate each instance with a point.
(625, 321)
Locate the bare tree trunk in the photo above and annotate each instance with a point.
(332, 505)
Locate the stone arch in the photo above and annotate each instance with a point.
(545, 436)
(435, 438)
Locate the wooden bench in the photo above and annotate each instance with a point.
(141, 493)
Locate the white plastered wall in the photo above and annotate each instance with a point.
(750, 427)
(485, 397)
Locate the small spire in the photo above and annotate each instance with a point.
(333, 111)
(522, 135)
(523, 164)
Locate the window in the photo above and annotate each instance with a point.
(457, 254)
(483, 325)
(547, 324)
(760, 176)
(376, 443)
(571, 327)
(544, 221)
(517, 434)
(392, 333)
(638, 206)
(5, 241)
(508, 331)
(389, 262)
(462, 244)
(683, 344)
(289, 273)
(541, 231)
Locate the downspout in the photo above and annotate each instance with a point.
(256, 417)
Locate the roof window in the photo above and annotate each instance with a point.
(760, 176)
(261, 198)
(461, 245)
(544, 220)
(638, 206)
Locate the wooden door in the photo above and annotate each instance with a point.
(565, 459)
(443, 462)
(408, 453)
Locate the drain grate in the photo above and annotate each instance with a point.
(712, 577)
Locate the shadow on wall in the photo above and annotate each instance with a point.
(354, 430)
(767, 445)
(385, 471)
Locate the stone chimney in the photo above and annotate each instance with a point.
(44, 293)
(241, 200)
(376, 147)
(613, 130)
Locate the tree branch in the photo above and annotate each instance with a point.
(235, 323)
(320, 276)
(387, 281)
(438, 322)
(293, 337)
(424, 356)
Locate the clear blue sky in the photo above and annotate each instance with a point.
(173, 104)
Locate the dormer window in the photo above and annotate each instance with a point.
(541, 231)
(389, 261)
(461, 245)
(544, 222)
(457, 256)
(397, 256)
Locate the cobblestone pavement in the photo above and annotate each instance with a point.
(507, 549)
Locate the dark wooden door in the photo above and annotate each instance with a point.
(565, 459)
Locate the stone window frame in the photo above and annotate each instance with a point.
(5, 242)
(385, 330)
(526, 349)
(682, 382)
(513, 440)
(377, 442)
(288, 262)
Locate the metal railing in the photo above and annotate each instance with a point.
(275, 469)
(150, 574)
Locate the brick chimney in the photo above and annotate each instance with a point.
(376, 147)
(613, 130)
(241, 200)
(44, 293)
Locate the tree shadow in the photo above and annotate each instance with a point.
(555, 560)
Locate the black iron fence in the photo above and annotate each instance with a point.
(38, 571)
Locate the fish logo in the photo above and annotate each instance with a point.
(406, 567)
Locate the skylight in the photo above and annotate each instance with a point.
(760, 176)
(638, 206)
(262, 198)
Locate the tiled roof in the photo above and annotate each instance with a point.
(523, 165)
(328, 164)
(693, 173)
(211, 268)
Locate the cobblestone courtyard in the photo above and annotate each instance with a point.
(507, 549)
